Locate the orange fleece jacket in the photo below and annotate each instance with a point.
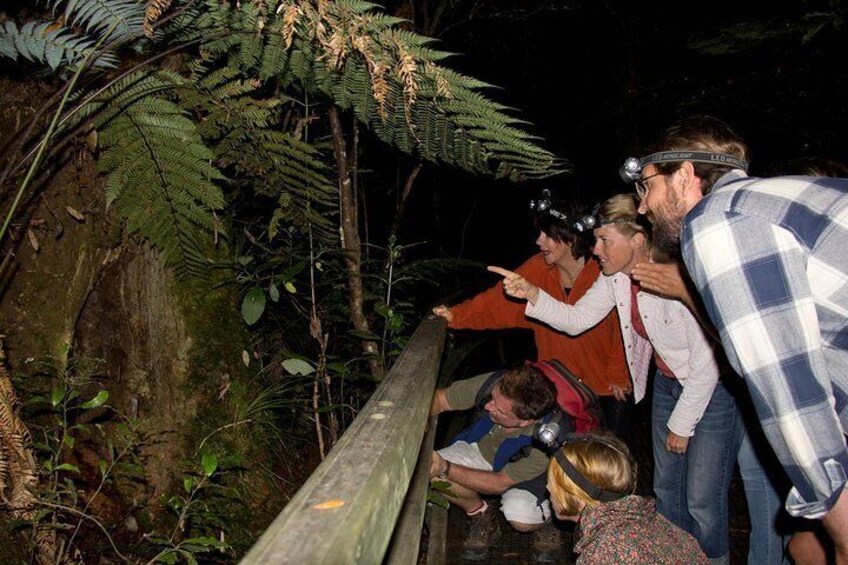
(596, 355)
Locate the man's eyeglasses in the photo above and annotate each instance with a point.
(642, 188)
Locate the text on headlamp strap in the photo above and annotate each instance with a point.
(696, 157)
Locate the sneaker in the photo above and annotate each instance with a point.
(547, 544)
(483, 533)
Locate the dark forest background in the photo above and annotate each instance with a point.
(599, 80)
(179, 394)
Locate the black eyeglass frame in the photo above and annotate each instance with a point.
(642, 188)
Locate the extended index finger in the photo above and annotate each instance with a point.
(502, 272)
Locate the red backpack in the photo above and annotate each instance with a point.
(575, 398)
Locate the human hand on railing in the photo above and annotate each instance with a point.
(443, 311)
(676, 444)
(517, 286)
(437, 464)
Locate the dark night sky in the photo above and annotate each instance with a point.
(600, 81)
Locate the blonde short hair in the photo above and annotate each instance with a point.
(622, 210)
(603, 459)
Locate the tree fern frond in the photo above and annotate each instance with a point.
(362, 7)
(241, 128)
(124, 17)
(160, 178)
(274, 58)
(103, 106)
(292, 172)
(152, 12)
(45, 43)
(390, 79)
(199, 19)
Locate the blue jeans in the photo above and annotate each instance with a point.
(618, 417)
(692, 488)
(764, 482)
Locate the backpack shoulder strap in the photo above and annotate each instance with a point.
(485, 391)
(575, 398)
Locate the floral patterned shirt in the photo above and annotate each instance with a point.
(629, 531)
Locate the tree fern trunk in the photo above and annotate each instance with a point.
(352, 245)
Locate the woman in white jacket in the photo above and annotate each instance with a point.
(696, 424)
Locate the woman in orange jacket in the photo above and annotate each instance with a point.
(565, 269)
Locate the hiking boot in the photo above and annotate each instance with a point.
(483, 533)
(547, 544)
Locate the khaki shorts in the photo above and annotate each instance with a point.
(517, 505)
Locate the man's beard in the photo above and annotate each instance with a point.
(667, 225)
(667, 236)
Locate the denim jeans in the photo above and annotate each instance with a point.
(618, 417)
(766, 544)
(766, 485)
(692, 488)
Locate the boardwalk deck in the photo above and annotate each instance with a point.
(517, 549)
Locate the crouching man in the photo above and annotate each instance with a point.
(496, 455)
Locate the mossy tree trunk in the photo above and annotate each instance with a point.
(74, 287)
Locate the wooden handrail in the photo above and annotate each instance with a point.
(405, 542)
(347, 510)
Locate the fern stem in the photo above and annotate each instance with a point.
(10, 172)
(315, 322)
(87, 517)
(43, 145)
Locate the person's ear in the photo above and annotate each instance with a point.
(686, 175)
(690, 184)
(637, 240)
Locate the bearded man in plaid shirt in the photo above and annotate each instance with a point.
(769, 258)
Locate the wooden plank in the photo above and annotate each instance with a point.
(347, 510)
(437, 523)
(405, 542)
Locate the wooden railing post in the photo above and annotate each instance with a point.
(347, 510)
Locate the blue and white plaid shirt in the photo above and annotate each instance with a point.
(770, 259)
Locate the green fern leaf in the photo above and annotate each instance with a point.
(124, 18)
(160, 175)
(44, 43)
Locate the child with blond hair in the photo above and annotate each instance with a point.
(591, 480)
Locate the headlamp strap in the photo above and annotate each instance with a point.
(595, 492)
(557, 214)
(696, 157)
(543, 205)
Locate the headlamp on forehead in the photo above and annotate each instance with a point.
(631, 170)
(543, 205)
(587, 222)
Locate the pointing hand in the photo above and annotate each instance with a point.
(517, 286)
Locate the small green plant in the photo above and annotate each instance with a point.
(440, 493)
(63, 506)
(193, 516)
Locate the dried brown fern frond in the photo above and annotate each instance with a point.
(336, 49)
(380, 87)
(443, 89)
(18, 477)
(152, 13)
(4, 472)
(291, 16)
(407, 71)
